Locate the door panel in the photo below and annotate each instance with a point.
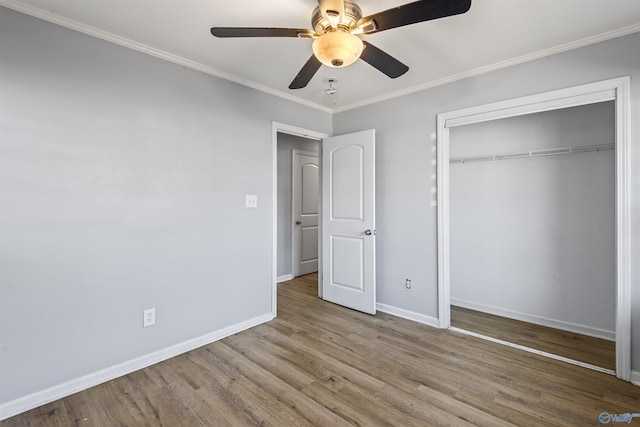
(309, 186)
(347, 182)
(305, 199)
(309, 244)
(347, 252)
(348, 212)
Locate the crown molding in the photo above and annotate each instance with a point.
(149, 50)
(620, 32)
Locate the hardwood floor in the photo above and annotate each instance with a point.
(595, 351)
(319, 364)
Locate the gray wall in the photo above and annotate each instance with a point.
(286, 143)
(534, 238)
(123, 180)
(406, 220)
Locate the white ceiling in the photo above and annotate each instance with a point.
(493, 34)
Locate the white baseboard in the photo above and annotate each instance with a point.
(538, 320)
(406, 314)
(284, 278)
(635, 378)
(22, 404)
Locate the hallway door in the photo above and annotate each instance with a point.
(305, 197)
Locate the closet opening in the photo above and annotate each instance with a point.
(533, 223)
(532, 231)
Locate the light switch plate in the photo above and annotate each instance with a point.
(251, 201)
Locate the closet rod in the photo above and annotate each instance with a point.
(535, 153)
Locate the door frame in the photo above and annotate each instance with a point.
(294, 245)
(617, 90)
(277, 127)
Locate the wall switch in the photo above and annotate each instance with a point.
(251, 201)
(407, 283)
(149, 317)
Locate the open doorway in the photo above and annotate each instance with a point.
(297, 207)
(290, 142)
(532, 231)
(615, 90)
(346, 217)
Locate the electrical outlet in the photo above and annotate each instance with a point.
(251, 201)
(407, 283)
(149, 317)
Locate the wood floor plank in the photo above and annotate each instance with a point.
(407, 375)
(247, 396)
(312, 411)
(595, 351)
(270, 359)
(319, 364)
(50, 415)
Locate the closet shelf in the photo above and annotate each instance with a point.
(534, 153)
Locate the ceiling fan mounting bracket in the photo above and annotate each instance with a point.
(349, 21)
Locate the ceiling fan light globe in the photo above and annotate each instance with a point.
(337, 49)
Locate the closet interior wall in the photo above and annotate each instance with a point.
(533, 238)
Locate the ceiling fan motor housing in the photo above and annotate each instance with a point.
(349, 20)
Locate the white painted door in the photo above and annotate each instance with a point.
(305, 197)
(348, 220)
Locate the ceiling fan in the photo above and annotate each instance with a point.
(336, 26)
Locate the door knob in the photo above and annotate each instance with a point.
(298, 222)
(368, 232)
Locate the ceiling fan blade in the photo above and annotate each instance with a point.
(306, 73)
(412, 13)
(260, 32)
(382, 61)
